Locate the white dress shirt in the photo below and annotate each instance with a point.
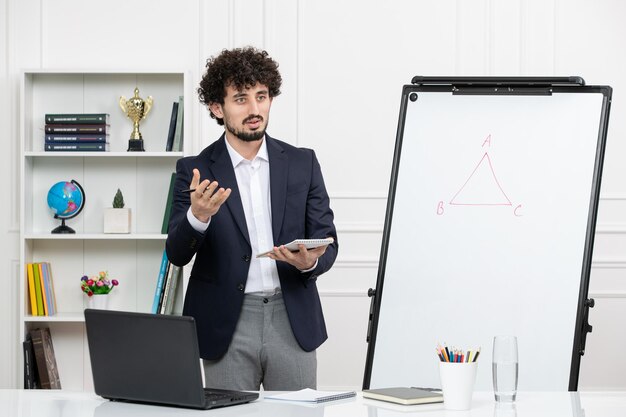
(253, 181)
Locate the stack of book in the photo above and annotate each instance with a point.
(81, 132)
(41, 289)
(167, 284)
(40, 365)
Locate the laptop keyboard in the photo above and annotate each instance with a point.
(217, 395)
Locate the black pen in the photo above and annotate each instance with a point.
(191, 190)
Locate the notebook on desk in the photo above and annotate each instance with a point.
(149, 358)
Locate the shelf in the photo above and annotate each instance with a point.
(95, 236)
(105, 154)
(143, 177)
(76, 317)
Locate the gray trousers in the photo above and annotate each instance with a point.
(263, 351)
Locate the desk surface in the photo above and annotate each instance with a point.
(45, 403)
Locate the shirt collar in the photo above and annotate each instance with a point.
(236, 158)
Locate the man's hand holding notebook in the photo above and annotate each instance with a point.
(308, 243)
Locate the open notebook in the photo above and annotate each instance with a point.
(308, 395)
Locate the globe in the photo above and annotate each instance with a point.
(66, 199)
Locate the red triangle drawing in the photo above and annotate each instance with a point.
(481, 188)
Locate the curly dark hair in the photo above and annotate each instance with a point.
(241, 68)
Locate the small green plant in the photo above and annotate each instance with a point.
(118, 200)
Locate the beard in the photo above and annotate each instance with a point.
(251, 136)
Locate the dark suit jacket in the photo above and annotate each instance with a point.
(300, 209)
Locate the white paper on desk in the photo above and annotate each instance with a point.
(309, 395)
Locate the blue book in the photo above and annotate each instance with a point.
(47, 282)
(159, 285)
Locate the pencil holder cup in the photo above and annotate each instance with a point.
(457, 384)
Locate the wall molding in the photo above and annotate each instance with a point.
(344, 293)
(608, 263)
(364, 263)
(611, 228)
(14, 319)
(376, 227)
(361, 227)
(357, 195)
(604, 294)
(615, 294)
(612, 196)
(372, 262)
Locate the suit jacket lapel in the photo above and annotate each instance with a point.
(224, 173)
(279, 168)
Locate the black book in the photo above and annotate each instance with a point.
(45, 358)
(404, 395)
(77, 147)
(178, 134)
(78, 118)
(76, 138)
(82, 129)
(172, 129)
(31, 380)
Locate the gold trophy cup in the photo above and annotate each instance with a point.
(136, 109)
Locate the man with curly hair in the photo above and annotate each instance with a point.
(259, 319)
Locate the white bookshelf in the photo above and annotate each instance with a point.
(143, 177)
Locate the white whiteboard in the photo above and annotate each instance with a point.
(488, 234)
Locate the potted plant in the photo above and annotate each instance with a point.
(98, 288)
(117, 218)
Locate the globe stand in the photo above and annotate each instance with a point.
(63, 228)
(54, 195)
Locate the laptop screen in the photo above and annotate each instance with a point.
(145, 357)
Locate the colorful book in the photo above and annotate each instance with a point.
(168, 205)
(32, 294)
(172, 129)
(76, 138)
(78, 118)
(77, 147)
(54, 296)
(44, 268)
(170, 300)
(171, 276)
(165, 281)
(178, 134)
(38, 291)
(159, 283)
(44, 292)
(79, 129)
(45, 358)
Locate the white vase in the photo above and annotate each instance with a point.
(99, 301)
(116, 220)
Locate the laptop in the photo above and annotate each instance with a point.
(151, 359)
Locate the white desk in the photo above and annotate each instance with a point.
(44, 403)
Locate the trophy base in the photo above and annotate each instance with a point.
(135, 145)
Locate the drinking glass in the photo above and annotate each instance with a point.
(505, 368)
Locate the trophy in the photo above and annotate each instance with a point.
(136, 109)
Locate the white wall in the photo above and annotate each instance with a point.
(344, 63)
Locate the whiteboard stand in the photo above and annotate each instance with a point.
(489, 228)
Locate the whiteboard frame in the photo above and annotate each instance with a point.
(499, 86)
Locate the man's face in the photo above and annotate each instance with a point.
(245, 112)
